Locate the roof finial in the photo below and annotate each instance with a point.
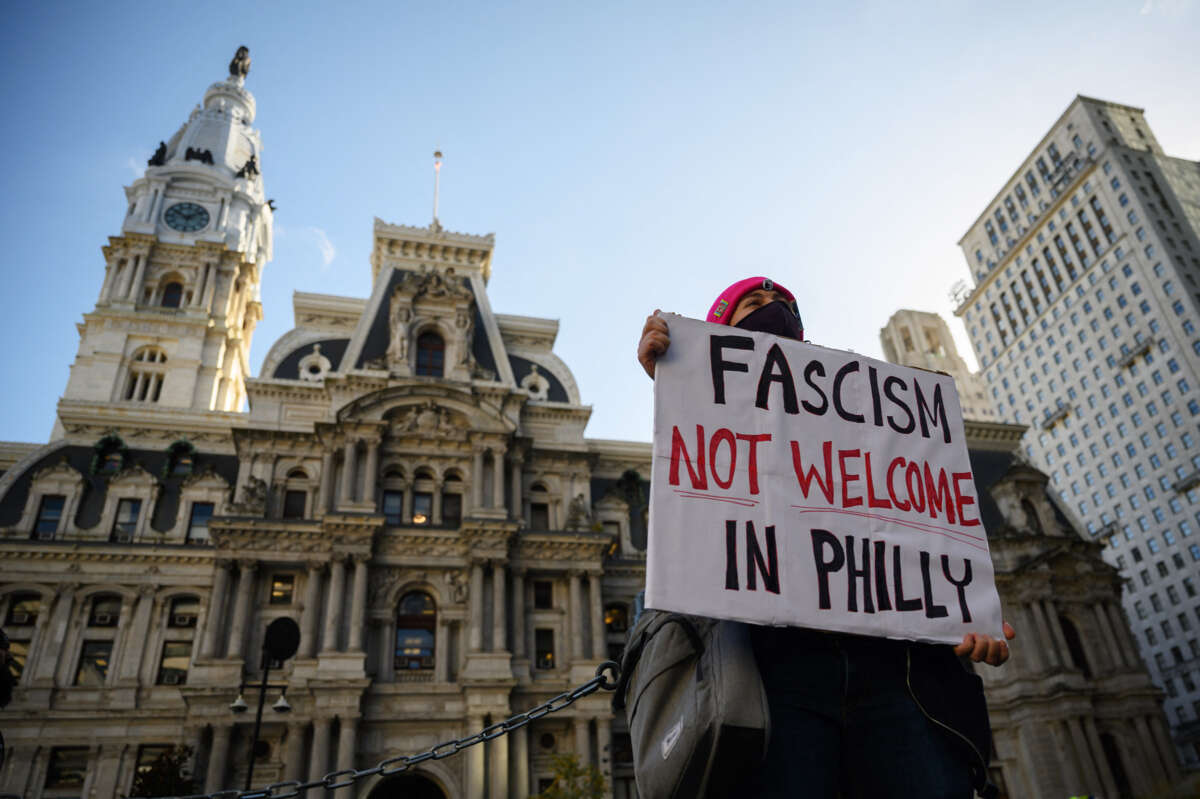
(437, 174)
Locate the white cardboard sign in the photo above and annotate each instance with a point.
(798, 485)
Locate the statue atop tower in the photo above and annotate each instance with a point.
(239, 67)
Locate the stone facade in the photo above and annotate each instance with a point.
(411, 484)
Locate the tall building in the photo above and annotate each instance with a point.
(1083, 316)
(410, 483)
(922, 339)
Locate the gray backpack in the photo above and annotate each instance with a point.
(695, 704)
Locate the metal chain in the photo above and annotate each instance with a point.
(401, 763)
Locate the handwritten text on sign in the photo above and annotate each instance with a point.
(798, 485)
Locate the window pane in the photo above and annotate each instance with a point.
(393, 508)
(414, 648)
(543, 594)
(49, 514)
(148, 754)
(544, 646)
(68, 767)
(172, 669)
(431, 351)
(293, 504)
(18, 654)
(106, 611)
(93, 663)
(451, 509)
(184, 611)
(125, 524)
(422, 507)
(198, 523)
(282, 589)
(23, 609)
(539, 516)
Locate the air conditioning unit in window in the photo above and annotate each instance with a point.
(103, 620)
(43, 535)
(122, 538)
(21, 618)
(172, 679)
(183, 620)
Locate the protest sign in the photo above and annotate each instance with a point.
(798, 485)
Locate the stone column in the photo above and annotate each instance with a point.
(319, 757)
(218, 757)
(1057, 631)
(348, 458)
(1124, 637)
(518, 617)
(475, 630)
(241, 608)
(1082, 752)
(311, 610)
(60, 619)
(441, 655)
(215, 618)
(598, 643)
(211, 288)
(325, 492)
(1153, 762)
(358, 603)
(135, 287)
(1052, 655)
(135, 639)
(198, 289)
(518, 769)
(499, 603)
(475, 761)
(583, 746)
(109, 276)
(575, 616)
(477, 480)
(498, 760)
(333, 603)
(1105, 773)
(384, 667)
(347, 738)
(369, 479)
(435, 513)
(1166, 749)
(498, 478)
(1112, 650)
(604, 748)
(406, 504)
(515, 506)
(294, 767)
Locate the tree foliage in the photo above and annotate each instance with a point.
(168, 775)
(573, 780)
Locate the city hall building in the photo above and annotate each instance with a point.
(412, 486)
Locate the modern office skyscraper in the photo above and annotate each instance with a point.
(1083, 315)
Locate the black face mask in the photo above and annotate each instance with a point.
(774, 317)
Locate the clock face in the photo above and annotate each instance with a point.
(187, 217)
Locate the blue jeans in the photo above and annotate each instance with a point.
(843, 723)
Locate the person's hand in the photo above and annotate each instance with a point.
(654, 342)
(985, 648)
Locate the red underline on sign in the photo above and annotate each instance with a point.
(746, 503)
(945, 532)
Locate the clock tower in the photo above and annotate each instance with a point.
(172, 326)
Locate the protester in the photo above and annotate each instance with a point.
(854, 716)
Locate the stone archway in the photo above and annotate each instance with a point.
(407, 786)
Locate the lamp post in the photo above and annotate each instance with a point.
(280, 643)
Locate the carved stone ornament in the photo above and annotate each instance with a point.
(399, 316)
(429, 420)
(239, 67)
(459, 585)
(254, 498)
(537, 385)
(579, 515)
(435, 286)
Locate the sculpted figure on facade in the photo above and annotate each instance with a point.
(239, 67)
(399, 315)
(579, 515)
(254, 498)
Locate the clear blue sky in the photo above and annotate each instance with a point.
(627, 155)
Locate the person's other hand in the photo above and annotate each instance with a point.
(654, 342)
(985, 648)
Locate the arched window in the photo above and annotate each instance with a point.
(172, 294)
(147, 369)
(422, 498)
(1075, 646)
(393, 497)
(416, 621)
(105, 610)
(295, 495)
(539, 507)
(431, 354)
(1035, 523)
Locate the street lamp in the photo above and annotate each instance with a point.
(280, 643)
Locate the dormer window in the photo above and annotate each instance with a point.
(431, 355)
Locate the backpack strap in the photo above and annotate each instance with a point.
(633, 652)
